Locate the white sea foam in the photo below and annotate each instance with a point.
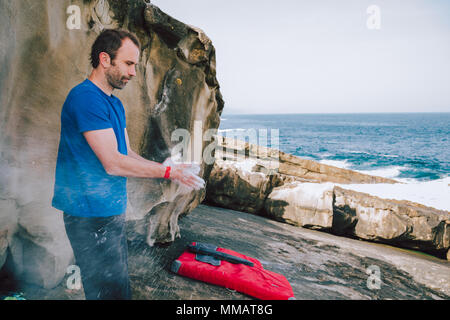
(390, 155)
(357, 151)
(435, 193)
(323, 154)
(385, 172)
(372, 154)
(343, 164)
(232, 130)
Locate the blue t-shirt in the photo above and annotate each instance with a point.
(82, 186)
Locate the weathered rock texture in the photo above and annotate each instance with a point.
(41, 61)
(308, 198)
(397, 222)
(302, 204)
(318, 265)
(347, 212)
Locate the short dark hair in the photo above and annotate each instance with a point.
(109, 41)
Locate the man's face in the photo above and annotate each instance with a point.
(123, 68)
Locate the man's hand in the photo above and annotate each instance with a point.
(182, 174)
(185, 174)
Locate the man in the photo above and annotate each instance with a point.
(94, 161)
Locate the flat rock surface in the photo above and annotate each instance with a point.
(318, 265)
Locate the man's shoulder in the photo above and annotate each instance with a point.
(84, 89)
(84, 96)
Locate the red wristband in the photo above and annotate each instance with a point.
(167, 173)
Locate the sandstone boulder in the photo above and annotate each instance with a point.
(42, 59)
(242, 185)
(302, 204)
(238, 187)
(356, 214)
(402, 223)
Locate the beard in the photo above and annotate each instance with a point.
(115, 78)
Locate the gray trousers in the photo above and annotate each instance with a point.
(100, 248)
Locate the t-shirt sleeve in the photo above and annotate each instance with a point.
(89, 112)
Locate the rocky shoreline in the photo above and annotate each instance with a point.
(313, 195)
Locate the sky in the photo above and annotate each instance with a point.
(326, 56)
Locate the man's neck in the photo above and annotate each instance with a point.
(101, 82)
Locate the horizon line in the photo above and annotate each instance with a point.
(315, 113)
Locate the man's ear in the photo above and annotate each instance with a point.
(105, 59)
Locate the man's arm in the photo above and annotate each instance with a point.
(104, 144)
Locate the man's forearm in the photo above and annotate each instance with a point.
(133, 165)
(136, 156)
(136, 166)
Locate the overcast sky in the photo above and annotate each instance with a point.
(320, 56)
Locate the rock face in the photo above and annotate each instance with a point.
(303, 204)
(233, 186)
(397, 222)
(347, 212)
(42, 59)
(312, 200)
(318, 265)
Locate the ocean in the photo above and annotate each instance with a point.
(413, 148)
